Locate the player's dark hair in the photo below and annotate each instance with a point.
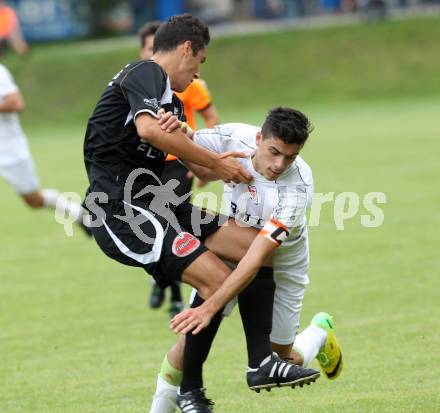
(179, 29)
(289, 125)
(148, 29)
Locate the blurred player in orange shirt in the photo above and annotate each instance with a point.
(10, 31)
(196, 98)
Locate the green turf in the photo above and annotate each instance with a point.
(75, 333)
(390, 60)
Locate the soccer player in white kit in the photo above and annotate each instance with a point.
(16, 163)
(275, 202)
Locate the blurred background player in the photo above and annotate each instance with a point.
(196, 98)
(16, 164)
(10, 31)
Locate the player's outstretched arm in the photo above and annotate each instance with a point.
(169, 122)
(196, 319)
(207, 174)
(201, 172)
(177, 143)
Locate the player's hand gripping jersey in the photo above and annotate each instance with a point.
(276, 207)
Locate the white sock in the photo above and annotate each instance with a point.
(53, 198)
(50, 197)
(164, 400)
(309, 342)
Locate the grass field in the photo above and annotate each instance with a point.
(75, 333)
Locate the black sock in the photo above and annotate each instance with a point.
(256, 306)
(175, 291)
(196, 351)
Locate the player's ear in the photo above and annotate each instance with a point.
(258, 138)
(187, 47)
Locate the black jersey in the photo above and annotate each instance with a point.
(112, 148)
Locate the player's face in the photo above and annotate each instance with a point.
(147, 51)
(273, 156)
(189, 67)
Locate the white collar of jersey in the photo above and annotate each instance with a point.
(167, 96)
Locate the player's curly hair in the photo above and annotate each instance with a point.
(177, 30)
(289, 125)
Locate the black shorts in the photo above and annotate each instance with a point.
(134, 235)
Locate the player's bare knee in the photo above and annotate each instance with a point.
(206, 274)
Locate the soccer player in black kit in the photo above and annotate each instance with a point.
(139, 222)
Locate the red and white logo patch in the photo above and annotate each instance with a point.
(184, 244)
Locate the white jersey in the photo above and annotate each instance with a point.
(276, 207)
(13, 143)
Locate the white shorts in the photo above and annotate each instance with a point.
(21, 175)
(287, 307)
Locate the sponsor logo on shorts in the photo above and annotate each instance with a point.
(185, 244)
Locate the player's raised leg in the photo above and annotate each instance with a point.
(54, 199)
(199, 274)
(232, 242)
(319, 340)
(192, 382)
(22, 176)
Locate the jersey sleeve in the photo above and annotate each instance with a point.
(211, 139)
(289, 216)
(199, 97)
(144, 86)
(7, 84)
